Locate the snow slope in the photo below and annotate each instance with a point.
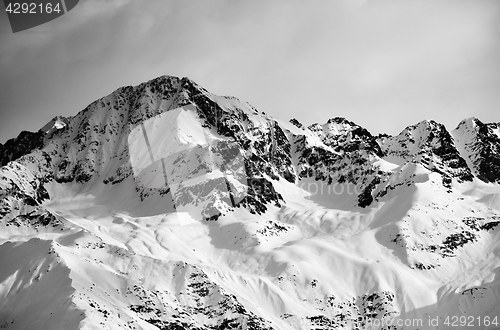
(163, 206)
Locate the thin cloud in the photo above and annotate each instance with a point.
(382, 64)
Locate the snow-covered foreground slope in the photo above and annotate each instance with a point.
(163, 206)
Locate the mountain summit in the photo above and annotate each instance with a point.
(164, 206)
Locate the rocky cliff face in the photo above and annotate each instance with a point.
(480, 144)
(165, 206)
(23, 144)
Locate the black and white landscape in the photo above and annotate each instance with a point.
(250, 165)
(319, 227)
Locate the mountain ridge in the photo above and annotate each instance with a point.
(184, 88)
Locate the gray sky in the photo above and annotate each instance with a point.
(382, 64)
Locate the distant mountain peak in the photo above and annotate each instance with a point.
(480, 143)
(430, 144)
(57, 123)
(470, 122)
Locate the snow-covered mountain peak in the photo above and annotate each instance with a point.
(344, 135)
(479, 142)
(469, 123)
(57, 123)
(424, 130)
(430, 144)
(334, 126)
